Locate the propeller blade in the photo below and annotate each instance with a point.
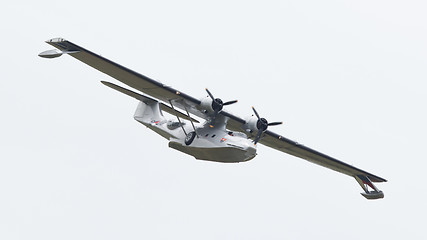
(210, 94)
(262, 125)
(258, 137)
(274, 123)
(229, 102)
(256, 113)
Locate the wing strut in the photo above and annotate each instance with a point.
(365, 182)
(179, 120)
(191, 120)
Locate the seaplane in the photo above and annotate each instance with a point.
(201, 127)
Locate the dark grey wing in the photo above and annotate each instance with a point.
(288, 146)
(127, 76)
(278, 142)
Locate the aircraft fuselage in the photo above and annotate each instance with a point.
(207, 141)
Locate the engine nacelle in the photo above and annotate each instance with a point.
(212, 105)
(206, 105)
(259, 124)
(251, 124)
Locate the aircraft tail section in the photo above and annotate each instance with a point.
(151, 116)
(148, 113)
(149, 101)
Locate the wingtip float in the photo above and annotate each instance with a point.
(54, 53)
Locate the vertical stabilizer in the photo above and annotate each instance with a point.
(148, 113)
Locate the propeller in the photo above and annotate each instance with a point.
(262, 125)
(217, 103)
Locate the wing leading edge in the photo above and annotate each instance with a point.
(183, 101)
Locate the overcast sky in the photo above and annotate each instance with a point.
(347, 78)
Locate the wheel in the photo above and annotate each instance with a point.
(189, 138)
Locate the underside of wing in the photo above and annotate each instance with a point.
(288, 146)
(127, 76)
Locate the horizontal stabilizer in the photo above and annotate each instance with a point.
(148, 100)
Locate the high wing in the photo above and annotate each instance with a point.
(278, 142)
(127, 76)
(288, 146)
(183, 101)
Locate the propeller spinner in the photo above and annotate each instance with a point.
(262, 125)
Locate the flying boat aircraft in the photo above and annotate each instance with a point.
(220, 137)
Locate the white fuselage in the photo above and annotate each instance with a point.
(211, 142)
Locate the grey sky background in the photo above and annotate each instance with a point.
(347, 78)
